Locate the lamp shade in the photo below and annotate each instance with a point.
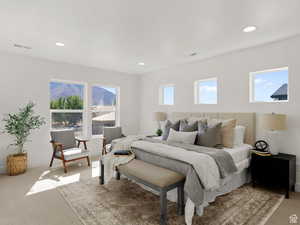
(274, 121)
(160, 116)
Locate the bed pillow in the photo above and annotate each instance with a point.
(182, 137)
(239, 135)
(209, 136)
(167, 128)
(227, 131)
(186, 127)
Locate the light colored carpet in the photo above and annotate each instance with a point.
(125, 203)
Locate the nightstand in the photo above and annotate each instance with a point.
(275, 171)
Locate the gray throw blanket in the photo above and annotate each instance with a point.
(193, 185)
(223, 159)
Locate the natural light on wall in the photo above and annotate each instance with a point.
(166, 94)
(269, 85)
(206, 91)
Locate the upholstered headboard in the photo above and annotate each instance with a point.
(245, 119)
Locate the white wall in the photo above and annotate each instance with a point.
(25, 78)
(232, 71)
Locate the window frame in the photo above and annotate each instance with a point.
(197, 91)
(252, 85)
(83, 111)
(161, 94)
(117, 111)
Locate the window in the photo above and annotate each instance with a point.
(104, 108)
(269, 85)
(67, 106)
(166, 95)
(206, 91)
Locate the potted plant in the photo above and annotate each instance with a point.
(20, 126)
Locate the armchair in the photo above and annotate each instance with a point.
(66, 149)
(110, 134)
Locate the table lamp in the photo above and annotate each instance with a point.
(274, 123)
(159, 117)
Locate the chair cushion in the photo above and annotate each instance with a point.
(73, 153)
(150, 173)
(65, 137)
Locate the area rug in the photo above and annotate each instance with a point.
(126, 203)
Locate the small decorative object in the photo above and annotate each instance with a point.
(159, 117)
(20, 125)
(159, 132)
(122, 152)
(261, 148)
(274, 123)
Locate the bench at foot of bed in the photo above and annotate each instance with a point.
(157, 178)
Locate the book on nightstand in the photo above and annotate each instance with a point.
(260, 153)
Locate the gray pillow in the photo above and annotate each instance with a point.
(210, 136)
(186, 127)
(168, 126)
(182, 137)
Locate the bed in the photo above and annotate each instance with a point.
(199, 165)
(239, 154)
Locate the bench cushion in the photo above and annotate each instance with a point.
(150, 173)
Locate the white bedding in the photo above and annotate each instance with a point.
(239, 153)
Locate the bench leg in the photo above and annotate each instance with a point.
(180, 199)
(163, 207)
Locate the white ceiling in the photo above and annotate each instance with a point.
(117, 34)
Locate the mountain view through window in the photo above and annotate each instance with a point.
(66, 105)
(104, 108)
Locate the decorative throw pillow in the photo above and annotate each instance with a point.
(186, 127)
(227, 131)
(209, 136)
(239, 135)
(192, 120)
(182, 137)
(167, 128)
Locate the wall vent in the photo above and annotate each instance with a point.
(22, 46)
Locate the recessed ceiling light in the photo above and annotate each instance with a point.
(60, 44)
(249, 29)
(141, 64)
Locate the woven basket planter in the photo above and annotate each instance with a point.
(16, 164)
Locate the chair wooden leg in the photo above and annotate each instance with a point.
(103, 150)
(88, 161)
(51, 162)
(65, 167)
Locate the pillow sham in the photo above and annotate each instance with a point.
(182, 137)
(186, 127)
(227, 131)
(209, 136)
(239, 135)
(167, 128)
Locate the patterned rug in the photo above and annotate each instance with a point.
(126, 203)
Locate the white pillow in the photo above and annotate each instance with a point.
(182, 137)
(239, 135)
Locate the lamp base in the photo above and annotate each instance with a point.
(274, 142)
